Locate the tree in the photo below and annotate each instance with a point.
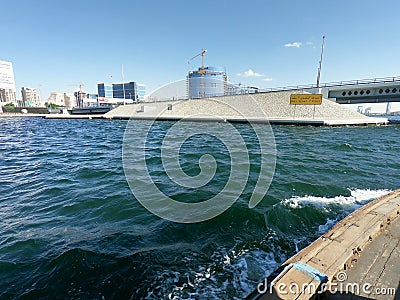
(51, 105)
(9, 107)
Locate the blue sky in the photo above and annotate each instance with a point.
(56, 45)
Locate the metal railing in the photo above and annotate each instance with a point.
(286, 88)
(333, 84)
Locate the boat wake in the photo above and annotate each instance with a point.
(357, 198)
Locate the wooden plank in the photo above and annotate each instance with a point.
(348, 240)
(333, 256)
(376, 270)
(390, 279)
(293, 280)
(364, 264)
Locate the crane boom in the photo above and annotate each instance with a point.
(320, 62)
(202, 53)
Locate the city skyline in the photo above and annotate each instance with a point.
(58, 45)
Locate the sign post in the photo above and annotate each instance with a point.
(306, 99)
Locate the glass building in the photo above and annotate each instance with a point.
(125, 91)
(105, 90)
(141, 91)
(129, 90)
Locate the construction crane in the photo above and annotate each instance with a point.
(80, 100)
(202, 53)
(320, 62)
(202, 68)
(79, 95)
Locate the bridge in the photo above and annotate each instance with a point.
(376, 90)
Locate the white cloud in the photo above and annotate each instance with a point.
(294, 44)
(267, 79)
(250, 73)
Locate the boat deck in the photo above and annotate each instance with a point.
(377, 271)
(359, 258)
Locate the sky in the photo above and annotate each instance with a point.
(56, 45)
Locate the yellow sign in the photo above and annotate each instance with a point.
(306, 99)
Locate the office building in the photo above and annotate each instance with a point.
(30, 97)
(56, 98)
(86, 99)
(62, 99)
(125, 91)
(121, 92)
(8, 96)
(105, 90)
(7, 83)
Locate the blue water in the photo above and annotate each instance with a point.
(71, 228)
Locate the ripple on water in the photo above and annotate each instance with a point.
(71, 227)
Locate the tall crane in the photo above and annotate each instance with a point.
(202, 68)
(320, 62)
(202, 53)
(79, 97)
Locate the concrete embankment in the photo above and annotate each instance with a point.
(359, 258)
(51, 116)
(68, 116)
(21, 115)
(271, 107)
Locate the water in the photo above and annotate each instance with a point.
(71, 228)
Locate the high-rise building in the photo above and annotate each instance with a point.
(69, 100)
(207, 82)
(56, 98)
(7, 96)
(62, 99)
(30, 97)
(7, 83)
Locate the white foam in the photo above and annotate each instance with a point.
(325, 227)
(242, 271)
(357, 198)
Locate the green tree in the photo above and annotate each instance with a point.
(9, 107)
(51, 105)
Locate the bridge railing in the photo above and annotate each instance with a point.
(334, 84)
